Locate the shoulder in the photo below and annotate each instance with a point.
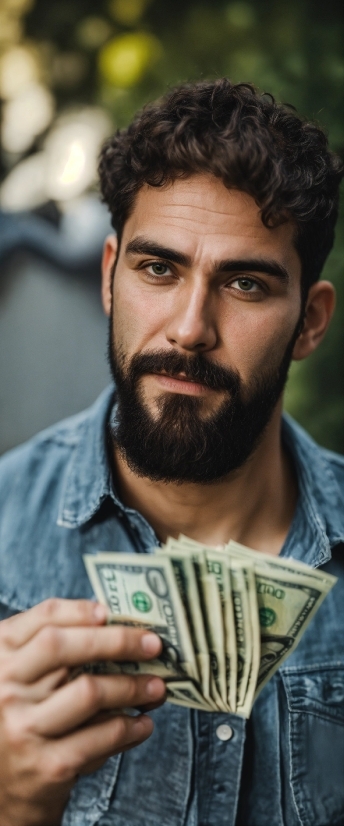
(32, 473)
(53, 446)
(320, 475)
(335, 462)
(317, 458)
(45, 447)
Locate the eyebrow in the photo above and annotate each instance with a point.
(268, 266)
(141, 246)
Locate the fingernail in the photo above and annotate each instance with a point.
(155, 688)
(100, 613)
(151, 644)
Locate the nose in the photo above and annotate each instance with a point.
(192, 325)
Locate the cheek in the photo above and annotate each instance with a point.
(124, 323)
(131, 318)
(257, 339)
(135, 317)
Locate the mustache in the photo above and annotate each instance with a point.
(195, 368)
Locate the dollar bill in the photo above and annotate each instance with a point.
(287, 602)
(185, 693)
(213, 621)
(186, 580)
(227, 616)
(289, 593)
(276, 562)
(217, 566)
(254, 641)
(242, 621)
(144, 588)
(215, 635)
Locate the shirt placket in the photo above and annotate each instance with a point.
(220, 744)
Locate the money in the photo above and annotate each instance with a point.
(289, 593)
(242, 622)
(212, 619)
(185, 693)
(218, 570)
(254, 641)
(228, 616)
(286, 604)
(185, 573)
(144, 589)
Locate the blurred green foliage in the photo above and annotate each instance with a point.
(122, 53)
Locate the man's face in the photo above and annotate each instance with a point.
(206, 301)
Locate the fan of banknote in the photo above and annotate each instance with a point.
(228, 617)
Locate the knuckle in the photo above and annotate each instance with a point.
(8, 694)
(50, 608)
(50, 639)
(119, 731)
(7, 633)
(6, 671)
(90, 691)
(133, 690)
(14, 732)
(55, 769)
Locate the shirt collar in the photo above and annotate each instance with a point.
(89, 482)
(318, 523)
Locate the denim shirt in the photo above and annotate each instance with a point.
(57, 501)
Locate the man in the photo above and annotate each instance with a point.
(224, 205)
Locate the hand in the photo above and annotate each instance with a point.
(51, 730)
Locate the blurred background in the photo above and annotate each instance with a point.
(71, 71)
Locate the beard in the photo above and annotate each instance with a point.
(180, 444)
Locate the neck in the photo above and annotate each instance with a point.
(253, 505)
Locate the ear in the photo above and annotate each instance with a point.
(108, 260)
(319, 310)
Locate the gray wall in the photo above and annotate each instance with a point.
(53, 339)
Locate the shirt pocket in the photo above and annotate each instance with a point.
(91, 795)
(148, 785)
(315, 698)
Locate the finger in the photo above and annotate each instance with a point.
(69, 755)
(54, 647)
(18, 630)
(97, 764)
(74, 704)
(40, 690)
(144, 709)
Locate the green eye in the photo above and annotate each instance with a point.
(159, 269)
(246, 284)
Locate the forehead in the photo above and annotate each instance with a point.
(200, 216)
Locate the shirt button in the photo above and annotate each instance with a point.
(224, 732)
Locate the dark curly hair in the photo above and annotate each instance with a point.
(243, 137)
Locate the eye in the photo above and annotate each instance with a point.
(246, 285)
(158, 268)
